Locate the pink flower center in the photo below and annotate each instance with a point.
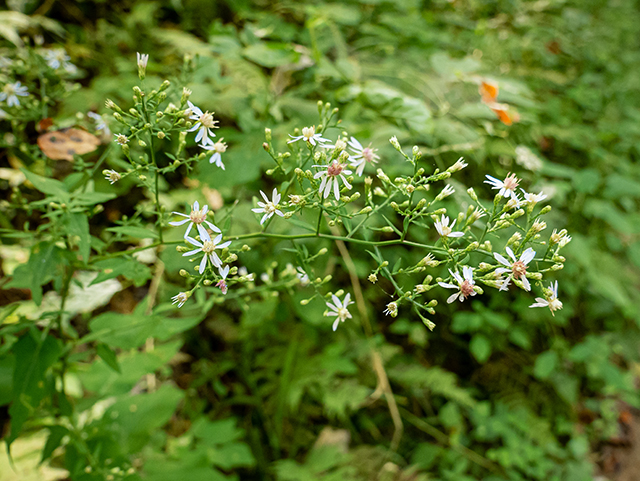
(335, 169)
(466, 288)
(511, 182)
(367, 154)
(519, 269)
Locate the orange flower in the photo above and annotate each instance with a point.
(488, 91)
(503, 112)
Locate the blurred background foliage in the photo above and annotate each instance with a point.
(260, 390)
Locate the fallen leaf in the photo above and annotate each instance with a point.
(64, 144)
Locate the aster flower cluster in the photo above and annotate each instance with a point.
(340, 181)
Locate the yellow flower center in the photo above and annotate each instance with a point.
(207, 121)
(208, 247)
(343, 313)
(197, 217)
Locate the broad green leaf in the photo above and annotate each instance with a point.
(33, 358)
(480, 347)
(51, 187)
(44, 263)
(545, 364)
(77, 224)
(213, 433)
(122, 266)
(271, 54)
(137, 417)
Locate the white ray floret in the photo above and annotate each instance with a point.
(507, 186)
(446, 230)
(204, 124)
(330, 178)
(11, 92)
(551, 301)
(269, 207)
(464, 287)
(516, 267)
(208, 248)
(361, 155)
(339, 309)
(197, 217)
(218, 148)
(309, 135)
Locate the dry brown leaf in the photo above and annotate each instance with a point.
(64, 144)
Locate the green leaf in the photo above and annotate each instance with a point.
(43, 265)
(77, 224)
(122, 266)
(108, 356)
(545, 364)
(480, 347)
(271, 54)
(216, 432)
(232, 455)
(134, 231)
(7, 367)
(130, 331)
(51, 187)
(30, 386)
(137, 417)
(56, 433)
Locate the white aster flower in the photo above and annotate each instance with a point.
(57, 58)
(180, 299)
(459, 165)
(121, 139)
(142, 59)
(112, 176)
(517, 267)
(218, 148)
(309, 135)
(446, 192)
(142, 64)
(339, 309)
(507, 186)
(197, 217)
(208, 248)
(204, 125)
(392, 309)
(302, 276)
(533, 199)
(269, 207)
(551, 301)
(100, 123)
(330, 176)
(362, 155)
(564, 241)
(222, 283)
(464, 287)
(443, 228)
(11, 92)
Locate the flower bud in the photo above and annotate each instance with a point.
(161, 135)
(387, 228)
(288, 215)
(472, 194)
(265, 146)
(183, 272)
(373, 278)
(545, 210)
(394, 141)
(416, 152)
